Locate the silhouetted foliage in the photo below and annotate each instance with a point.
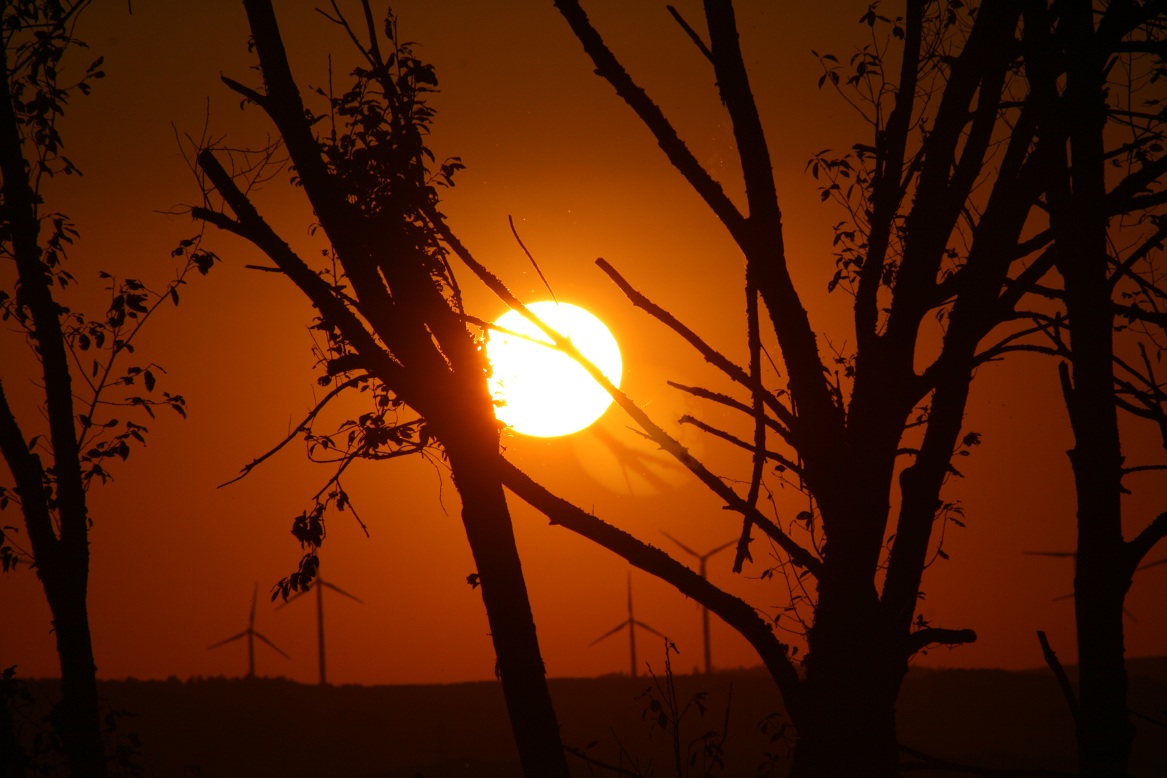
(87, 368)
(392, 319)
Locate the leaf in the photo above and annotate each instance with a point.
(148, 377)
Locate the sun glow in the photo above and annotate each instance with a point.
(541, 391)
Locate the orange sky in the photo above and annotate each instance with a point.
(547, 142)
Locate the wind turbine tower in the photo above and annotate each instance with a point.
(705, 611)
(702, 559)
(251, 635)
(319, 585)
(632, 623)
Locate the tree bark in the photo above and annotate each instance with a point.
(487, 521)
(77, 718)
(853, 674)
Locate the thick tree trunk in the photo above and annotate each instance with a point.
(1105, 732)
(848, 726)
(504, 592)
(847, 731)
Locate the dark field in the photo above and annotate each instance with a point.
(270, 727)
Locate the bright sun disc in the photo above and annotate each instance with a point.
(543, 392)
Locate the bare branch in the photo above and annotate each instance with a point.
(610, 69)
(1139, 546)
(711, 355)
(931, 636)
(1059, 672)
(735, 612)
(693, 36)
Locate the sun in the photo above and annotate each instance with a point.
(539, 390)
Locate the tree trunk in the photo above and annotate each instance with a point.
(63, 558)
(77, 717)
(1103, 576)
(848, 726)
(1105, 732)
(508, 609)
(13, 759)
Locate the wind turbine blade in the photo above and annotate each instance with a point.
(642, 625)
(679, 543)
(719, 548)
(292, 599)
(1063, 597)
(338, 590)
(273, 645)
(1152, 564)
(610, 632)
(242, 634)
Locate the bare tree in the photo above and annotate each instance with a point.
(85, 370)
(1106, 241)
(942, 203)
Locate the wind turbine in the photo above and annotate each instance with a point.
(632, 623)
(251, 634)
(702, 559)
(319, 585)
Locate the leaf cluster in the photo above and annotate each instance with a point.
(37, 35)
(375, 143)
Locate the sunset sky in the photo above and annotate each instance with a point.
(546, 142)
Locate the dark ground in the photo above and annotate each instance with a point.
(216, 727)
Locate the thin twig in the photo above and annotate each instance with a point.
(301, 427)
(534, 264)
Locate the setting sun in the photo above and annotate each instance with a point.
(541, 391)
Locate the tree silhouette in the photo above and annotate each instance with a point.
(1095, 67)
(940, 207)
(946, 221)
(84, 369)
(391, 310)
